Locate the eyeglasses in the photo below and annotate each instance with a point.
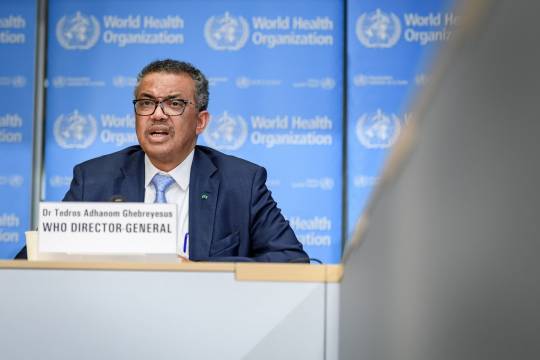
(171, 107)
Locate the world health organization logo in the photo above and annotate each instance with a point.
(378, 130)
(75, 131)
(77, 32)
(378, 29)
(226, 32)
(227, 132)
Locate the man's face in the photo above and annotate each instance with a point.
(167, 140)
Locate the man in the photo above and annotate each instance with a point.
(225, 209)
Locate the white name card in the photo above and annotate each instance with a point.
(107, 228)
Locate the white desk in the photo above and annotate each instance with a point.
(85, 310)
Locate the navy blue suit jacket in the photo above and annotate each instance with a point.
(237, 221)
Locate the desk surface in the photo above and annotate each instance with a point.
(139, 310)
(243, 271)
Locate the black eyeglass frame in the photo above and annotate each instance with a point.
(160, 103)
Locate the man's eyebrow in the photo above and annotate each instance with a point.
(172, 96)
(145, 95)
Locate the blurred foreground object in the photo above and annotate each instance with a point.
(445, 265)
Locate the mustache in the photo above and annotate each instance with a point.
(159, 124)
(159, 127)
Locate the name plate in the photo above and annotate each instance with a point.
(107, 228)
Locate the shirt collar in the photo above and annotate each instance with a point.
(180, 174)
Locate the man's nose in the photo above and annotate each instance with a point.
(159, 113)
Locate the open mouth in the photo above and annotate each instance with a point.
(158, 133)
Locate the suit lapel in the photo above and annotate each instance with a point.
(203, 194)
(131, 184)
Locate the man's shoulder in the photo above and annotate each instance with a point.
(225, 162)
(116, 158)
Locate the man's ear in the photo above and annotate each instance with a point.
(202, 121)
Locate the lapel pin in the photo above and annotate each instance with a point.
(204, 196)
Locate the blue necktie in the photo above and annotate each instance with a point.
(161, 183)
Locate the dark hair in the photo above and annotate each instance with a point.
(180, 67)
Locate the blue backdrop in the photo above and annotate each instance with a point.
(17, 48)
(275, 69)
(389, 45)
(276, 72)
